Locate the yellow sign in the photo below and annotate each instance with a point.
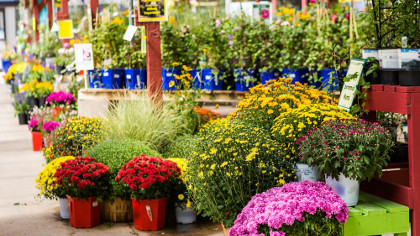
(57, 3)
(65, 30)
(152, 10)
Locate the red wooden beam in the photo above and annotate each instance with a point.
(94, 4)
(153, 60)
(64, 13)
(35, 12)
(50, 13)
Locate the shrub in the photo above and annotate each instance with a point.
(356, 148)
(74, 137)
(114, 154)
(233, 162)
(265, 102)
(182, 147)
(306, 208)
(291, 125)
(142, 120)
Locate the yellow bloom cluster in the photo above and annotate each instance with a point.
(38, 68)
(291, 125)
(265, 102)
(182, 164)
(117, 20)
(43, 88)
(14, 69)
(46, 180)
(185, 79)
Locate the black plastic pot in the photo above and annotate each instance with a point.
(42, 101)
(409, 77)
(389, 76)
(32, 101)
(373, 77)
(59, 70)
(400, 153)
(23, 118)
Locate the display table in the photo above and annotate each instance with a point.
(377, 216)
(399, 183)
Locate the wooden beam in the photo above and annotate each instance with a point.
(94, 4)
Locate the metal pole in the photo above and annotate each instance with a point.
(130, 14)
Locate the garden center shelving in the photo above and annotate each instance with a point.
(400, 182)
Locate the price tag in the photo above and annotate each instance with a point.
(349, 88)
(129, 34)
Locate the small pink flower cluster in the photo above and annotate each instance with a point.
(61, 98)
(284, 205)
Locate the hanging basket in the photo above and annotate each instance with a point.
(117, 211)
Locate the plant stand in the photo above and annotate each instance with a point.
(400, 182)
(377, 216)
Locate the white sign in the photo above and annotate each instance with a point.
(84, 56)
(350, 87)
(366, 53)
(409, 58)
(129, 34)
(388, 58)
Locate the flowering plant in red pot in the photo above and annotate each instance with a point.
(83, 180)
(150, 180)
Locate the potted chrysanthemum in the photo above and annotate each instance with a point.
(84, 181)
(150, 180)
(46, 183)
(184, 212)
(347, 151)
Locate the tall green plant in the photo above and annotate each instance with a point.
(141, 119)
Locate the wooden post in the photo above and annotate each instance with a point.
(35, 12)
(94, 4)
(153, 59)
(304, 4)
(64, 15)
(50, 13)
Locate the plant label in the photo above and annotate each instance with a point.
(95, 204)
(349, 88)
(130, 32)
(84, 56)
(388, 58)
(409, 58)
(366, 53)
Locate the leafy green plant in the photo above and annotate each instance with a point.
(143, 120)
(182, 147)
(21, 107)
(115, 153)
(356, 148)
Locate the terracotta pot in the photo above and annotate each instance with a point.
(149, 214)
(37, 141)
(119, 210)
(56, 112)
(84, 213)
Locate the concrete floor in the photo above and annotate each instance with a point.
(22, 214)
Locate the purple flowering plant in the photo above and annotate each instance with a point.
(356, 148)
(58, 98)
(305, 208)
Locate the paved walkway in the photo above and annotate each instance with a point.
(22, 214)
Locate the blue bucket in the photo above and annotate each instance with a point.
(168, 77)
(269, 74)
(112, 78)
(298, 75)
(135, 78)
(95, 79)
(6, 65)
(244, 79)
(198, 82)
(329, 79)
(212, 80)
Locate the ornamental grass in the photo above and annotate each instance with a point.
(142, 120)
(264, 103)
(232, 163)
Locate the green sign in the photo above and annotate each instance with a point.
(350, 87)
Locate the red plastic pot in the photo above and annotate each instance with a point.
(37, 142)
(84, 213)
(149, 214)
